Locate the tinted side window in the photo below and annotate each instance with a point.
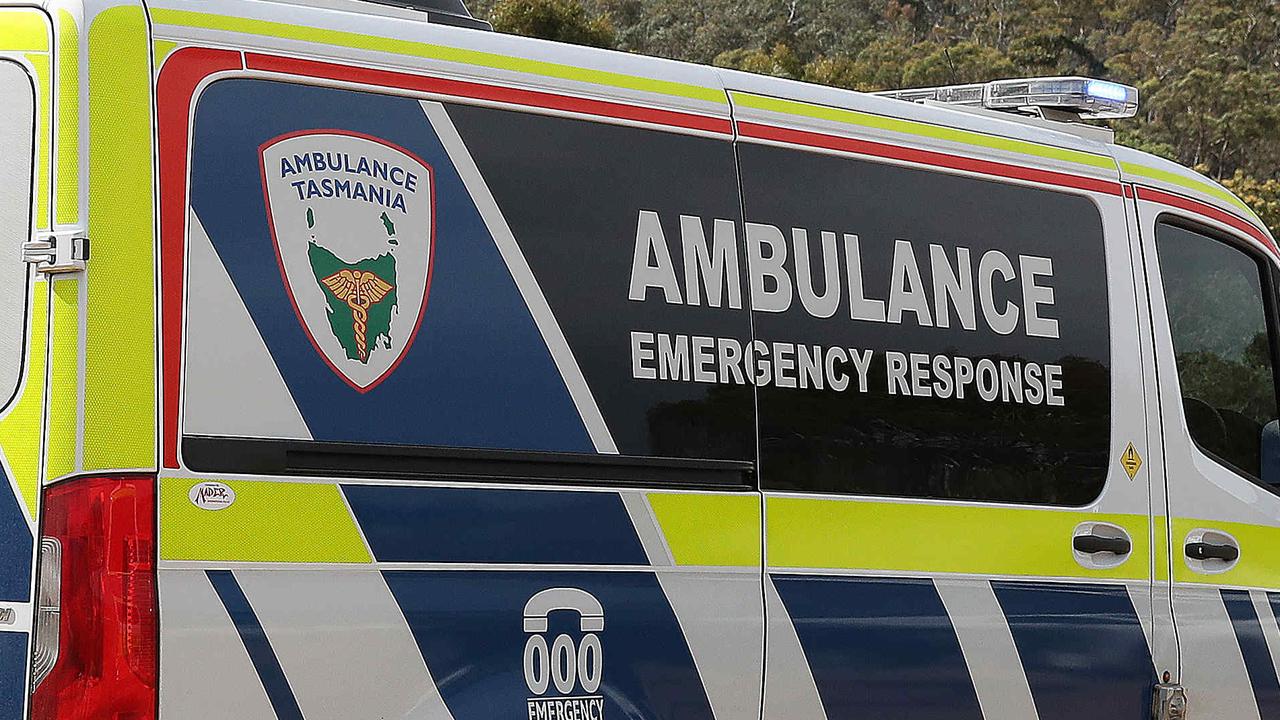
(17, 119)
(1222, 343)
(977, 312)
(510, 257)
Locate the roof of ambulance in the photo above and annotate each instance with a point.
(355, 18)
(1128, 164)
(1133, 165)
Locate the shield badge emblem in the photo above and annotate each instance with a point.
(352, 218)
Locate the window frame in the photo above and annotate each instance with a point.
(10, 397)
(1270, 282)
(1107, 246)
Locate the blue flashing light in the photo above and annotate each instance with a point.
(1107, 90)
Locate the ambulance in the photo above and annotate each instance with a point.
(358, 362)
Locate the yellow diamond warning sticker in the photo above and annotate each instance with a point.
(1131, 461)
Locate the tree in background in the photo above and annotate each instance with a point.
(562, 20)
(1208, 70)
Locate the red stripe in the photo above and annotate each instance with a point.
(1209, 211)
(179, 77)
(925, 157)
(492, 93)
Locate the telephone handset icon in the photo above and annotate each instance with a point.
(541, 605)
(564, 662)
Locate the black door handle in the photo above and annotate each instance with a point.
(1092, 544)
(1206, 551)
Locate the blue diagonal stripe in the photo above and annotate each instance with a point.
(1253, 648)
(1079, 638)
(880, 648)
(255, 642)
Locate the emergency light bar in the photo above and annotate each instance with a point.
(1084, 98)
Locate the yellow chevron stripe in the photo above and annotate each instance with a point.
(68, 140)
(64, 386)
(1259, 564)
(269, 521)
(120, 348)
(722, 530)
(24, 29)
(933, 538)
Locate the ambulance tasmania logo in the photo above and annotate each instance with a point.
(353, 222)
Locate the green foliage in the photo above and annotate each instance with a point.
(562, 20)
(1261, 195)
(963, 62)
(1208, 70)
(779, 61)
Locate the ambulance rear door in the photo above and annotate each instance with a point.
(24, 120)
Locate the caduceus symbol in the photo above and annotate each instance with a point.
(360, 290)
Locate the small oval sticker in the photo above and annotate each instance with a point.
(212, 495)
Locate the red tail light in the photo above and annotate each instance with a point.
(106, 643)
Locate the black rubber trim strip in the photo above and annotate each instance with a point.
(256, 456)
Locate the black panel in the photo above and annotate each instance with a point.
(900, 444)
(572, 192)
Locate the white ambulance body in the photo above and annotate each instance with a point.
(360, 362)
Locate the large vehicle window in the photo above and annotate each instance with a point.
(927, 335)
(17, 121)
(371, 270)
(1222, 343)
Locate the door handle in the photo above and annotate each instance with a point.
(1210, 552)
(1094, 544)
(1214, 551)
(1100, 545)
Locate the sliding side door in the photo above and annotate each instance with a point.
(951, 415)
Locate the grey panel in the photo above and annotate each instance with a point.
(333, 624)
(1213, 669)
(232, 384)
(17, 123)
(205, 672)
(790, 692)
(722, 619)
(989, 650)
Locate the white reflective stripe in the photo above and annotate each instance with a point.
(1270, 630)
(1140, 596)
(21, 619)
(523, 276)
(17, 123)
(343, 644)
(1213, 670)
(790, 692)
(719, 614)
(646, 524)
(232, 383)
(987, 643)
(205, 672)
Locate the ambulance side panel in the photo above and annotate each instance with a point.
(412, 473)
(927, 486)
